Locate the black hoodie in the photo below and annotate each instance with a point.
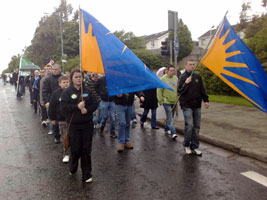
(49, 86)
(193, 93)
(69, 104)
(54, 110)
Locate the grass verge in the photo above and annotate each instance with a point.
(230, 100)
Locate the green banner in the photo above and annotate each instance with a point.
(24, 61)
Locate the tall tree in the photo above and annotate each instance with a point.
(130, 40)
(47, 38)
(243, 18)
(185, 40)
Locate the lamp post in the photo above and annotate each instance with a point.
(62, 52)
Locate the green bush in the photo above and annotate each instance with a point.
(213, 84)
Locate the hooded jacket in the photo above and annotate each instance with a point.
(69, 105)
(49, 86)
(193, 93)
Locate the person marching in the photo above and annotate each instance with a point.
(124, 103)
(168, 98)
(78, 104)
(192, 93)
(150, 102)
(55, 114)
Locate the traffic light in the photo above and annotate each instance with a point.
(165, 51)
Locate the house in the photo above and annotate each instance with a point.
(206, 37)
(153, 42)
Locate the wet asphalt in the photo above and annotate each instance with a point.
(31, 165)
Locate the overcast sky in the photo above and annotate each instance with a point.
(19, 18)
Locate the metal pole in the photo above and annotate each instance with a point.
(60, 23)
(171, 52)
(175, 42)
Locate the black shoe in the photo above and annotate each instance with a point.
(142, 124)
(113, 134)
(156, 127)
(57, 141)
(102, 129)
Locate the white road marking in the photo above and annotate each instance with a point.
(256, 177)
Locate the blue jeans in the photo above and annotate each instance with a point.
(133, 113)
(123, 114)
(97, 116)
(169, 122)
(153, 116)
(50, 124)
(107, 110)
(191, 129)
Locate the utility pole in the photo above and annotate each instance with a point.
(175, 39)
(62, 53)
(174, 44)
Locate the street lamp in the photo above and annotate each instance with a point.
(62, 52)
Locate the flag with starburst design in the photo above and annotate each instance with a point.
(102, 52)
(232, 61)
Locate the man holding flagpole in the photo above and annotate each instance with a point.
(192, 93)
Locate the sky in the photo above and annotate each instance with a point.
(19, 19)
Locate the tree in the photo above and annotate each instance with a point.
(244, 18)
(71, 38)
(264, 4)
(148, 58)
(137, 45)
(130, 40)
(258, 45)
(47, 40)
(72, 63)
(213, 84)
(185, 40)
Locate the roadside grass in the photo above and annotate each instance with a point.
(230, 100)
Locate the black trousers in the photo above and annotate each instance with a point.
(80, 138)
(44, 113)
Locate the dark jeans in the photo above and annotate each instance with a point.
(44, 113)
(19, 91)
(192, 125)
(80, 138)
(153, 116)
(56, 131)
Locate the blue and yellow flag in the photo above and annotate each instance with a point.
(102, 52)
(232, 61)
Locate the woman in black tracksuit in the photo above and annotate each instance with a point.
(78, 111)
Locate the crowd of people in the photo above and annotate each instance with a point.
(78, 103)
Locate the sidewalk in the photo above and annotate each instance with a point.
(239, 129)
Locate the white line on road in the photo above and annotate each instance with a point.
(256, 177)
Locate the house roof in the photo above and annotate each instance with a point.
(154, 36)
(208, 33)
(214, 30)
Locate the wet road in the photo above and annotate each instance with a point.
(31, 167)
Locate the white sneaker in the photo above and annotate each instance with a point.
(44, 124)
(174, 136)
(97, 125)
(66, 159)
(197, 152)
(168, 132)
(134, 121)
(50, 132)
(188, 151)
(89, 180)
